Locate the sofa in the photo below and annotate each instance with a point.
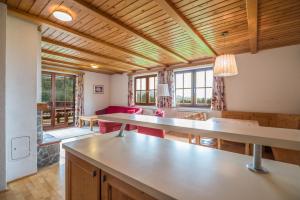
(106, 126)
(153, 131)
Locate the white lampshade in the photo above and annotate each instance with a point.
(163, 90)
(225, 65)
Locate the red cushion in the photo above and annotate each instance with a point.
(159, 113)
(120, 109)
(151, 131)
(131, 111)
(106, 127)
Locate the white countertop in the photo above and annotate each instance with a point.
(228, 129)
(174, 170)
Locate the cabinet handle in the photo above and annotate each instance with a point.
(94, 173)
(103, 178)
(110, 193)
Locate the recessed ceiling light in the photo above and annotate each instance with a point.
(62, 15)
(94, 66)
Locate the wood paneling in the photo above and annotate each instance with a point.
(142, 34)
(272, 120)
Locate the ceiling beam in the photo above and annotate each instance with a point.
(195, 63)
(65, 29)
(120, 25)
(101, 65)
(64, 45)
(70, 63)
(73, 67)
(251, 6)
(186, 25)
(58, 69)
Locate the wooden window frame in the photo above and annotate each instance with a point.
(193, 85)
(147, 90)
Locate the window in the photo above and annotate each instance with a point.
(194, 87)
(145, 90)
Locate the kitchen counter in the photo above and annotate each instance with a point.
(167, 169)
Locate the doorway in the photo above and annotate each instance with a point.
(58, 91)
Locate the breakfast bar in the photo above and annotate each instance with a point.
(137, 166)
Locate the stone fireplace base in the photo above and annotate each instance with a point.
(48, 151)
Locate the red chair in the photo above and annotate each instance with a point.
(153, 131)
(106, 127)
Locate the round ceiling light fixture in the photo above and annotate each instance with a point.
(62, 15)
(94, 66)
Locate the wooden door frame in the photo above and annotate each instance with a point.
(53, 99)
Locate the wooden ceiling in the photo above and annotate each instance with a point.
(130, 35)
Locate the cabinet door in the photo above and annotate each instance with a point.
(115, 189)
(82, 180)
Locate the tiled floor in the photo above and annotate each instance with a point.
(66, 133)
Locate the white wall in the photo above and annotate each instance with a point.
(119, 89)
(267, 82)
(2, 95)
(22, 53)
(93, 102)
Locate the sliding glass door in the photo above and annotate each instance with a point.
(58, 90)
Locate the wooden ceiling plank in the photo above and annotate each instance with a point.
(61, 44)
(101, 65)
(72, 64)
(251, 6)
(63, 70)
(213, 9)
(62, 62)
(72, 67)
(235, 14)
(104, 16)
(170, 8)
(42, 21)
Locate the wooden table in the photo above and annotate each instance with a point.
(233, 122)
(91, 119)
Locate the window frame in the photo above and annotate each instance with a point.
(147, 90)
(194, 88)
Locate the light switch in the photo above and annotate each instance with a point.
(20, 147)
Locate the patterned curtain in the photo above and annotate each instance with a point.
(166, 77)
(218, 96)
(79, 99)
(130, 91)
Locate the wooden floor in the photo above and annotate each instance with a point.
(47, 184)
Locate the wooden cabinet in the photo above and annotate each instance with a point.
(86, 182)
(82, 180)
(115, 189)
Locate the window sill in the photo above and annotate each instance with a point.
(188, 109)
(201, 109)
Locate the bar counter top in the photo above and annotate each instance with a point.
(168, 169)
